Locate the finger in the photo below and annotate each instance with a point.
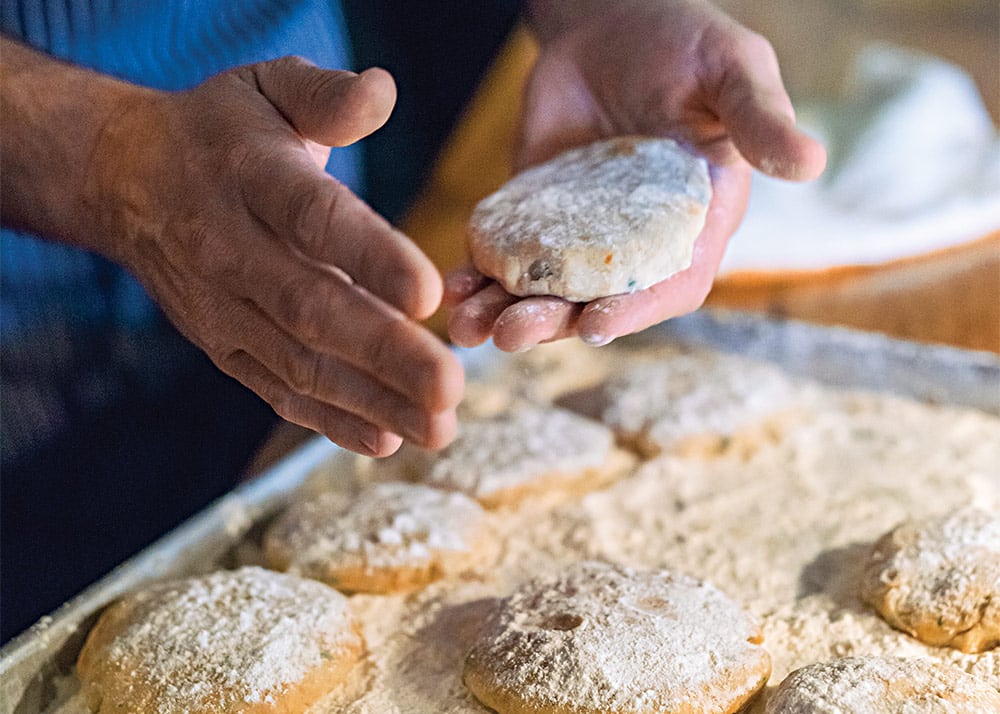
(756, 110)
(343, 428)
(462, 284)
(532, 321)
(332, 107)
(472, 322)
(334, 382)
(332, 316)
(323, 220)
(608, 318)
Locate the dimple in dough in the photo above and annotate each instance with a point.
(599, 637)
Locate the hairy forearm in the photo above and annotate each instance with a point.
(54, 144)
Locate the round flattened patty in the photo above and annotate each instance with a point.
(612, 217)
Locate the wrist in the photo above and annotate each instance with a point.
(119, 196)
(60, 147)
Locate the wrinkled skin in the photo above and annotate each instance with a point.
(287, 280)
(215, 198)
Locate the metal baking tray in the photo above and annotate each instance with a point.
(33, 665)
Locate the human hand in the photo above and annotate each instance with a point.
(678, 68)
(289, 282)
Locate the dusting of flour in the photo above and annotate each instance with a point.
(783, 529)
(231, 638)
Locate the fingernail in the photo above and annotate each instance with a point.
(369, 438)
(595, 340)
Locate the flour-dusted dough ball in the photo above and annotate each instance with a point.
(390, 537)
(501, 459)
(248, 641)
(685, 399)
(938, 579)
(605, 638)
(608, 218)
(886, 685)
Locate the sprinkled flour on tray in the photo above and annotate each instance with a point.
(783, 529)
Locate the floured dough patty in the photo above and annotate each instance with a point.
(654, 406)
(887, 685)
(248, 641)
(938, 579)
(389, 537)
(605, 638)
(608, 218)
(499, 460)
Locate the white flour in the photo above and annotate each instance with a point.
(784, 529)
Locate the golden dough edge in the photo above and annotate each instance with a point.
(353, 575)
(104, 693)
(982, 636)
(563, 484)
(480, 683)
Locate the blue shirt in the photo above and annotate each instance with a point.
(78, 332)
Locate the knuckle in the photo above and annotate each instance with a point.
(438, 377)
(437, 370)
(244, 368)
(303, 372)
(290, 62)
(383, 345)
(310, 211)
(752, 48)
(208, 249)
(297, 208)
(700, 293)
(230, 362)
(275, 71)
(283, 401)
(284, 405)
(316, 86)
(302, 310)
(239, 161)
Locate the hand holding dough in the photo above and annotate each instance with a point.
(612, 217)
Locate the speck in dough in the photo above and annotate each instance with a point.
(938, 579)
(612, 217)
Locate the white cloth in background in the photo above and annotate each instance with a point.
(914, 166)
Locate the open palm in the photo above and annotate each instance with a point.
(678, 68)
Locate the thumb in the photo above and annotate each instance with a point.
(330, 107)
(755, 108)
